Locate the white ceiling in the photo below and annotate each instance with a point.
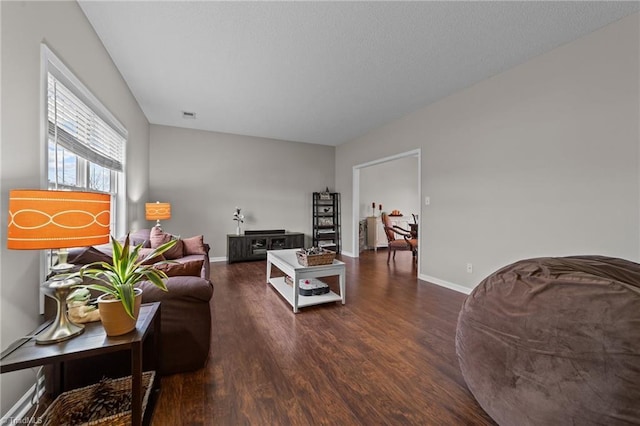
(322, 72)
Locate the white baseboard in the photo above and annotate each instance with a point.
(447, 284)
(20, 409)
(347, 253)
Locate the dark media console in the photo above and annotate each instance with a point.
(253, 245)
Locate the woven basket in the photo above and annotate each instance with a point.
(326, 258)
(81, 399)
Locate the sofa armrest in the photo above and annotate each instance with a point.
(179, 288)
(186, 322)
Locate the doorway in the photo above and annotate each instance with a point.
(363, 208)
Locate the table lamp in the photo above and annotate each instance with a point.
(157, 211)
(42, 219)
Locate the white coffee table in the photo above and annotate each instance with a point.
(287, 262)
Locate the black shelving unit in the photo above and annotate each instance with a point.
(326, 220)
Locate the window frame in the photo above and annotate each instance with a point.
(50, 63)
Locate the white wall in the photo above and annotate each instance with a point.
(394, 184)
(541, 160)
(204, 175)
(64, 28)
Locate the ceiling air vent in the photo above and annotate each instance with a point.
(191, 115)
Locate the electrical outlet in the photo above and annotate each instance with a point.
(427, 201)
(469, 268)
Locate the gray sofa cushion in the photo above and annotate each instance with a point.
(86, 255)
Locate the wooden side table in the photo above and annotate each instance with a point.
(94, 342)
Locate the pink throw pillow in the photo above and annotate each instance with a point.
(144, 252)
(159, 237)
(194, 245)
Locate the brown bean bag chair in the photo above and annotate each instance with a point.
(555, 341)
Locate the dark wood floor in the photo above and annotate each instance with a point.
(386, 357)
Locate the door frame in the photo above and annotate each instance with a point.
(355, 218)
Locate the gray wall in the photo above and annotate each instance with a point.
(64, 28)
(541, 160)
(204, 175)
(394, 184)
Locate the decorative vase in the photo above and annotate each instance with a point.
(238, 229)
(115, 319)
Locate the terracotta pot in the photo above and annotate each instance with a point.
(115, 319)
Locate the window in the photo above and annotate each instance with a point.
(85, 148)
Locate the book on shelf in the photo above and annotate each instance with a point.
(326, 243)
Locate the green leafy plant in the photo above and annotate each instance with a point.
(127, 269)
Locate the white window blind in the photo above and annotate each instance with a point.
(74, 126)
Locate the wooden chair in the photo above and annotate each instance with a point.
(405, 243)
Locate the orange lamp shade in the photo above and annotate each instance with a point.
(157, 211)
(41, 219)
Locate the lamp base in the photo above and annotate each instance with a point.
(58, 332)
(62, 328)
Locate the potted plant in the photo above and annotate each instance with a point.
(120, 301)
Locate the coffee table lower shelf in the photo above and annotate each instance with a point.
(286, 291)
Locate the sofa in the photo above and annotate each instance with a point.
(185, 311)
